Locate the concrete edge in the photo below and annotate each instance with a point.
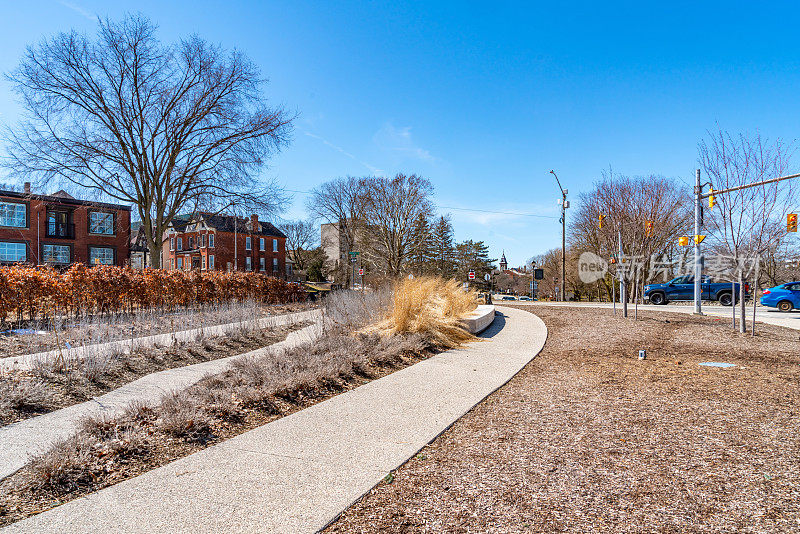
(457, 419)
(480, 319)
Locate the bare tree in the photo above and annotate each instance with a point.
(301, 238)
(145, 123)
(340, 202)
(748, 222)
(391, 208)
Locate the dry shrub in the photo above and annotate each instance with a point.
(432, 307)
(24, 395)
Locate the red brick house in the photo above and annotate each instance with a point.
(209, 242)
(59, 229)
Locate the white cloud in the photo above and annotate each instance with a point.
(399, 140)
(78, 9)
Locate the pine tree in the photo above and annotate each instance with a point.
(442, 247)
(472, 255)
(422, 251)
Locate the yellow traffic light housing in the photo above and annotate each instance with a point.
(791, 222)
(683, 241)
(648, 228)
(711, 199)
(600, 220)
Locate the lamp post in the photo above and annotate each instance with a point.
(564, 206)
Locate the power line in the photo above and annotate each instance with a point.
(464, 209)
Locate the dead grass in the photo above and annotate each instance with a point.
(587, 438)
(51, 385)
(429, 306)
(253, 392)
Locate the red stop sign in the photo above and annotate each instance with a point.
(361, 272)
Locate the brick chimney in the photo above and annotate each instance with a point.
(254, 223)
(27, 188)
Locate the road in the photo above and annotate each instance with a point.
(763, 315)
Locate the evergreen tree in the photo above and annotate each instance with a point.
(472, 255)
(442, 247)
(422, 248)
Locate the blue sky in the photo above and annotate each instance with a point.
(484, 98)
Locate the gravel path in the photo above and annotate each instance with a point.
(587, 438)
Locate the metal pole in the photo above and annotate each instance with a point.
(623, 294)
(563, 245)
(698, 266)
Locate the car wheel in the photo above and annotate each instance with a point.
(785, 306)
(658, 299)
(725, 299)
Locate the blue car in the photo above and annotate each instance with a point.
(785, 297)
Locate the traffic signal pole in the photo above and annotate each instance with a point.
(698, 265)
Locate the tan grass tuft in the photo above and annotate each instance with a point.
(432, 307)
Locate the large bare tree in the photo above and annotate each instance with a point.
(749, 222)
(392, 206)
(301, 238)
(159, 126)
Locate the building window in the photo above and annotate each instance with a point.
(101, 256)
(211, 240)
(56, 254)
(204, 262)
(263, 264)
(191, 243)
(101, 223)
(13, 252)
(248, 244)
(261, 244)
(172, 243)
(274, 265)
(180, 243)
(202, 240)
(211, 262)
(248, 262)
(180, 264)
(172, 263)
(13, 214)
(274, 245)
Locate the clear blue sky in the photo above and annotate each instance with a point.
(484, 100)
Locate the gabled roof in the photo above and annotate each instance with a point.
(225, 223)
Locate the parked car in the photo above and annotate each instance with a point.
(525, 298)
(785, 297)
(682, 288)
(509, 297)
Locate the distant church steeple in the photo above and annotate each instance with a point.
(503, 262)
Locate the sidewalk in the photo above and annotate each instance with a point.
(299, 472)
(35, 435)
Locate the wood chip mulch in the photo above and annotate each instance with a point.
(587, 438)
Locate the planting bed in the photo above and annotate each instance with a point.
(588, 438)
(25, 394)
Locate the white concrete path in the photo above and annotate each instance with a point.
(298, 473)
(763, 314)
(124, 346)
(18, 441)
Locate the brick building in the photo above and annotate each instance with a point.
(59, 229)
(205, 241)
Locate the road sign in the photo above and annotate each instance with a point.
(683, 241)
(487, 277)
(538, 274)
(410, 276)
(361, 272)
(699, 239)
(472, 275)
(354, 253)
(466, 286)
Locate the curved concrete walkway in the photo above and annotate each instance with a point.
(298, 473)
(18, 441)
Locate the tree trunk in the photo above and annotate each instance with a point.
(753, 293)
(155, 254)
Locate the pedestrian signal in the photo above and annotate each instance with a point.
(683, 241)
(791, 222)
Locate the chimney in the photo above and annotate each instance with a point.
(27, 188)
(254, 223)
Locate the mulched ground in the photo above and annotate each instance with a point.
(587, 438)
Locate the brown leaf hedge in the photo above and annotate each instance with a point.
(41, 292)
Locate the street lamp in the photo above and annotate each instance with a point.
(564, 206)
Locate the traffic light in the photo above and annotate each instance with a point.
(600, 220)
(711, 200)
(791, 222)
(683, 241)
(648, 228)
